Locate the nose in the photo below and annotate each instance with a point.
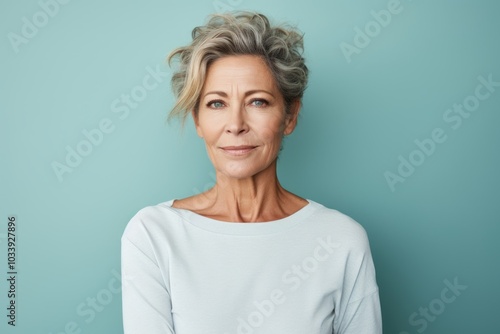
(237, 120)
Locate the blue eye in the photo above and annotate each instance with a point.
(259, 103)
(215, 104)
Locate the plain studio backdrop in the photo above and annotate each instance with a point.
(399, 130)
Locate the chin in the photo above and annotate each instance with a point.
(239, 175)
(243, 170)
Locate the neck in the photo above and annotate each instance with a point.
(254, 199)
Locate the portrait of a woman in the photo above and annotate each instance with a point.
(246, 256)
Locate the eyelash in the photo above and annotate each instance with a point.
(264, 102)
(210, 103)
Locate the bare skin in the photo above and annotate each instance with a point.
(242, 121)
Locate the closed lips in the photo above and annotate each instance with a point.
(238, 150)
(243, 147)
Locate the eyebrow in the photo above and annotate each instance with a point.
(250, 92)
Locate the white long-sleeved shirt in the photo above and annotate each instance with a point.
(309, 273)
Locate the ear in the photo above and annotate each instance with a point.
(196, 124)
(291, 118)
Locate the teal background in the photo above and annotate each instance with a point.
(358, 117)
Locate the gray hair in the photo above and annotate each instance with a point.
(240, 33)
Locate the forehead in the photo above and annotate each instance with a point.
(243, 71)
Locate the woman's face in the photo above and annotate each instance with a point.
(241, 116)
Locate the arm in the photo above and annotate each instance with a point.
(359, 308)
(145, 298)
(362, 316)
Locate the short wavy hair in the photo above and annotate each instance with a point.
(238, 33)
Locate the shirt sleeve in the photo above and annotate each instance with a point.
(146, 302)
(359, 307)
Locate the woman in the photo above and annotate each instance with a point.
(246, 256)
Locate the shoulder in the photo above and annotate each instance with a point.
(341, 226)
(151, 221)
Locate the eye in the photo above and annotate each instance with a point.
(260, 103)
(215, 104)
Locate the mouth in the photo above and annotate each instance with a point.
(238, 150)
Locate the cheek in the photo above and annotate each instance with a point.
(272, 136)
(208, 128)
